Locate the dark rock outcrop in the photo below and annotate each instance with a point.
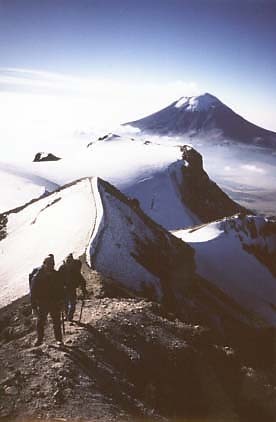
(258, 237)
(203, 196)
(45, 156)
(3, 224)
(107, 137)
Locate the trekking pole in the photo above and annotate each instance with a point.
(62, 321)
(82, 303)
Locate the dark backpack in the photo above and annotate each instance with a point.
(71, 274)
(32, 275)
(46, 287)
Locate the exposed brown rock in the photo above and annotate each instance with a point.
(129, 359)
(201, 194)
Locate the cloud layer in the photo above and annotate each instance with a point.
(127, 95)
(253, 168)
(43, 108)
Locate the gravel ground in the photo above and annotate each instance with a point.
(127, 360)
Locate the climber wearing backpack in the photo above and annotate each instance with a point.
(70, 272)
(47, 297)
(36, 269)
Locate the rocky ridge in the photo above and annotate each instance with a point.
(130, 359)
(203, 196)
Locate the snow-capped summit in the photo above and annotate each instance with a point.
(204, 117)
(200, 103)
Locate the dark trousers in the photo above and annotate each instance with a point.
(43, 311)
(70, 305)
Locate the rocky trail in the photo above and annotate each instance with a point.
(128, 359)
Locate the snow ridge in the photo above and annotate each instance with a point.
(88, 217)
(98, 222)
(59, 223)
(237, 254)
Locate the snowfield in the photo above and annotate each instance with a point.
(60, 223)
(19, 186)
(166, 185)
(224, 253)
(88, 216)
(146, 171)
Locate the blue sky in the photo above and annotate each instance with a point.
(164, 49)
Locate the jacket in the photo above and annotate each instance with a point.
(46, 288)
(72, 278)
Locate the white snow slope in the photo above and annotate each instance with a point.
(111, 248)
(59, 223)
(200, 103)
(20, 186)
(86, 216)
(149, 172)
(221, 258)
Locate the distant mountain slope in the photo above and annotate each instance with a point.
(204, 116)
(238, 255)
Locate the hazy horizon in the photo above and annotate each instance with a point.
(70, 66)
(71, 71)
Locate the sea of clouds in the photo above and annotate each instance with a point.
(54, 113)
